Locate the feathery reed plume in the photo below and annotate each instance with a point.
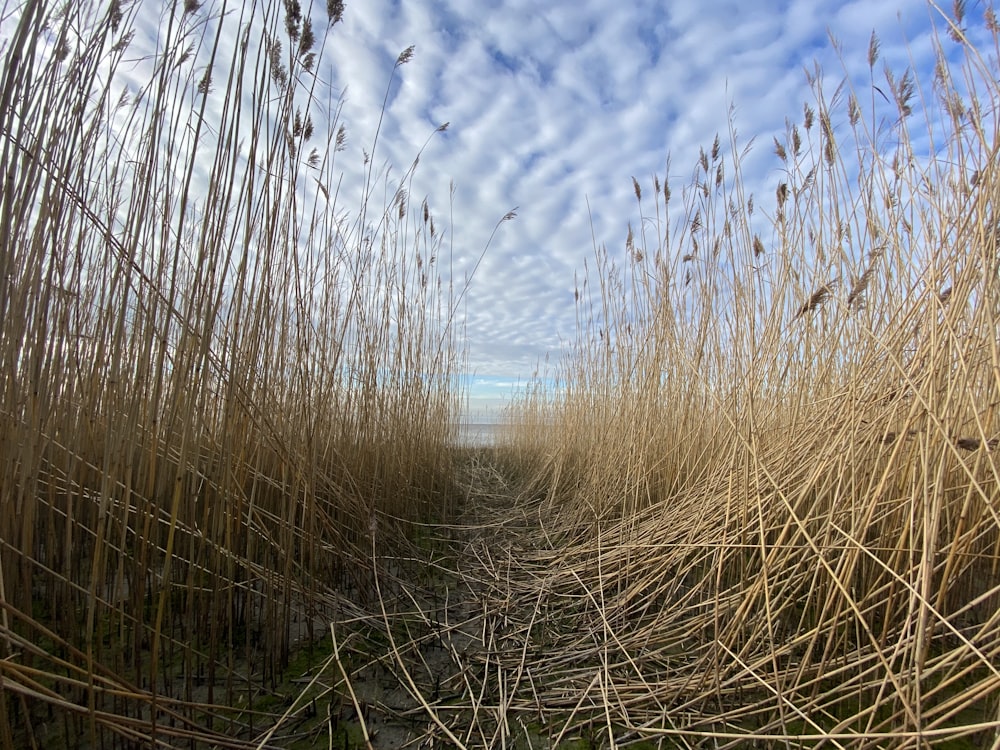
(873, 49)
(334, 11)
(817, 298)
(781, 193)
(779, 150)
(856, 294)
(858, 288)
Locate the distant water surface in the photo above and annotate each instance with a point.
(478, 434)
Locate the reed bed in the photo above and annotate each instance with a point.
(768, 478)
(224, 378)
(760, 509)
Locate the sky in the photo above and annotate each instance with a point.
(554, 107)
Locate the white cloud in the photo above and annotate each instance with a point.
(558, 105)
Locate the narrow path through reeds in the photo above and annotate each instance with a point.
(438, 659)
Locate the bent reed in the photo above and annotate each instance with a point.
(771, 459)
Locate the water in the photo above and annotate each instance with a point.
(478, 434)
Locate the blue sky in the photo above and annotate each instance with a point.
(553, 106)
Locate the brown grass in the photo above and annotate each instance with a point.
(760, 509)
(223, 379)
(776, 495)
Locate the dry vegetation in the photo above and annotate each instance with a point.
(222, 378)
(771, 461)
(761, 509)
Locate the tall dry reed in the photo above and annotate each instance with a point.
(222, 375)
(772, 454)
